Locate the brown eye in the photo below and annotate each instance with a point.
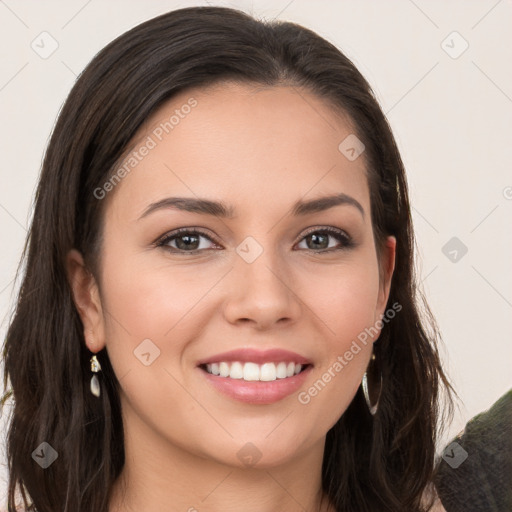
(320, 240)
(185, 240)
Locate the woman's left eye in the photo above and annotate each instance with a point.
(321, 236)
(187, 240)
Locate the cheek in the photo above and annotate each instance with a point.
(153, 302)
(149, 315)
(344, 308)
(343, 299)
(345, 314)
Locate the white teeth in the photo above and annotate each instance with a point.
(268, 372)
(251, 371)
(281, 371)
(254, 372)
(224, 369)
(236, 371)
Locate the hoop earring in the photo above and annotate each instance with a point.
(95, 383)
(366, 392)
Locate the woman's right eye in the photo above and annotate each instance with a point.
(187, 241)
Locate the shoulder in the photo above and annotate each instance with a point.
(437, 507)
(475, 470)
(430, 496)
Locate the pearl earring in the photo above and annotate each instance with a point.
(95, 383)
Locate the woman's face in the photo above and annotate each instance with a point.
(267, 281)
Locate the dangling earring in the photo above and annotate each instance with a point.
(366, 393)
(95, 383)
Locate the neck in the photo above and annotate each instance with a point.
(158, 475)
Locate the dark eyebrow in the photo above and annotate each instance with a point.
(324, 203)
(190, 204)
(220, 209)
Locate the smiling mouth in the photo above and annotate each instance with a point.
(253, 372)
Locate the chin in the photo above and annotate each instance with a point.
(262, 451)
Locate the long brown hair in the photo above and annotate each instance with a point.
(382, 462)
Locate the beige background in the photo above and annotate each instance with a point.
(451, 116)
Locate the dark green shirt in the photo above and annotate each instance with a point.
(475, 472)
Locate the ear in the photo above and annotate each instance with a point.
(387, 267)
(87, 300)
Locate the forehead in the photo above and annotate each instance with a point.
(253, 145)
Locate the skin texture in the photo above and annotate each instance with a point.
(259, 150)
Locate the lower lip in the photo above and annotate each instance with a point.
(257, 392)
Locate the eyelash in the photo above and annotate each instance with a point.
(340, 235)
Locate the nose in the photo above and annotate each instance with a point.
(262, 292)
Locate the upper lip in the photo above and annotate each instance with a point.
(251, 355)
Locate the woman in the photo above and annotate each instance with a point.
(219, 309)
